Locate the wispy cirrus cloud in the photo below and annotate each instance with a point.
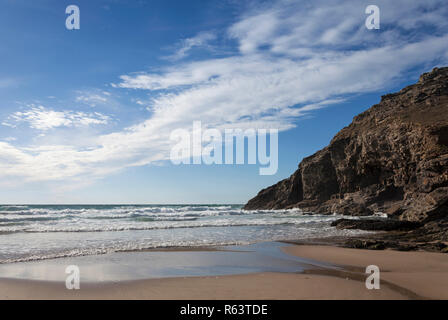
(291, 59)
(41, 118)
(201, 40)
(93, 98)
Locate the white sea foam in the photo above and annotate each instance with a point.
(45, 232)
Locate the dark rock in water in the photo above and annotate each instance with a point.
(372, 244)
(366, 244)
(376, 224)
(432, 236)
(392, 158)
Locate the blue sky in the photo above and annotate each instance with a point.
(86, 114)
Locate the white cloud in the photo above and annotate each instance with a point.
(93, 98)
(292, 59)
(200, 40)
(41, 118)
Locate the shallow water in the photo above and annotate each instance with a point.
(30, 233)
(121, 266)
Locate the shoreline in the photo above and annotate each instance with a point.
(331, 241)
(404, 275)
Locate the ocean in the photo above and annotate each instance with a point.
(38, 232)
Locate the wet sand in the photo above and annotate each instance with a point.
(304, 272)
(249, 286)
(423, 273)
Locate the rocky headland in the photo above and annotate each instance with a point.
(393, 159)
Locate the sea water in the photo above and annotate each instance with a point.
(37, 232)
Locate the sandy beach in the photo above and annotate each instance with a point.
(404, 275)
(424, 274)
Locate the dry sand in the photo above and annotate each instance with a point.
(405, 275)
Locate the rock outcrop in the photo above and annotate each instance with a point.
(376, 224)
(393, 158)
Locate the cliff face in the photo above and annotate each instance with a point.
(392, 158)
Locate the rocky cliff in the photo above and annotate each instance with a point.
(392, 158)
